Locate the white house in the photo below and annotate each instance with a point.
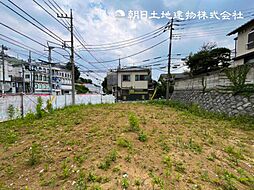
(133, 83)
(244, 43)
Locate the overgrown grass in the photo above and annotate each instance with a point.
(244, 122)
(9, 130)
(72, 148)
(109, 159)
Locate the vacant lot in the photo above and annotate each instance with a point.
(125, 146)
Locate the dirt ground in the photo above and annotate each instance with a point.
(94, 147)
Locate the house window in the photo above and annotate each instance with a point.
(126, 78)
(141, 78)
(27, 76)
(250, 43)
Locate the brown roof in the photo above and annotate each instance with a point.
(249, 23)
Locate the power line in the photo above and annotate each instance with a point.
(132, 39)
(127, 44)
(10, 28)
(41, 29)
(56, 12)
(66, 27)
(21, 45)
(132, 55)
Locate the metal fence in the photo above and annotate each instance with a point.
(28, 102)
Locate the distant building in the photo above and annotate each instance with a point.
(244, 43)
(36, 77)
(130, 84)
(94, 89)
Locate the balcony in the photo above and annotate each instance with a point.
(250, 45)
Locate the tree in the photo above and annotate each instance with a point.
(77, 72)
(105, 86)
(161, 86)
(208, 59)
(83, 80)
(81, 89)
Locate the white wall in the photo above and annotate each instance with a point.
(30, 102)
(132, 82)
(214, 81)
(242, 42)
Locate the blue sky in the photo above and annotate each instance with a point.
(96, 22)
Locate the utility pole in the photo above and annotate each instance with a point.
(72, 53)
(23, 91)
(2, 53)
(118, 68)
(32, 84)
(169, 58)
(23, 79)
(50, 48)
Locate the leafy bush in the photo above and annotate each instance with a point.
(49, 106)
(134, 123)
(11, 112)
(125, 183)
(105, 165)
(34, 154)
(124, 143)
(142, 137)
(81, 89)
(39, 110)
(81, 183)
(237, 76)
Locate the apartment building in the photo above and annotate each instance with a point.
(19, 76)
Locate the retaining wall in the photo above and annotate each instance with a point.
(217, 102)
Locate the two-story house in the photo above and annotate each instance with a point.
(244, 43)
(130, 84)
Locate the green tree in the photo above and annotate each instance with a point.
(105, 86)
(208, 59)
(161, 86)
(77, 72)
(81, 89)
(83, 80)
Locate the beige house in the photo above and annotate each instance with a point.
(131, 84)
(244, 43)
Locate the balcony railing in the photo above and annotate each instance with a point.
(250, 45)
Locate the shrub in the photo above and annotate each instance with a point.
(34, 154)
(134, 123)
(81, 183)
(11, 112)
(124, 143)
(105, 165)
(125, 183)
(49, 106)
(39, 110)
(142, 137)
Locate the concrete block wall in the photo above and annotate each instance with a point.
(217, 102)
